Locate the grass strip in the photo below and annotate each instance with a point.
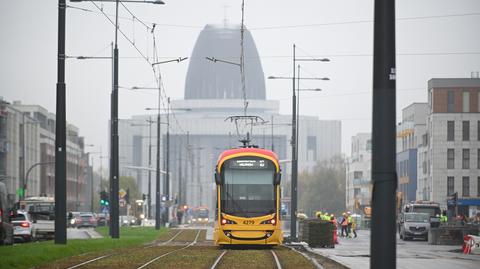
(291, 259)
(190, 258)
(188, 235)
(35, 255)
(248, 258)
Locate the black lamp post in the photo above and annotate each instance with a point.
(294, 141)
(114, 161)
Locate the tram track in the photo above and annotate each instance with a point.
(187, 249)
(170, 252)
(93, 260)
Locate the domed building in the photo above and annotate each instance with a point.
(199, 132)
(208, 80)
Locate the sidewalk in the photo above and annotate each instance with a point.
(355, 253)
(74, 233)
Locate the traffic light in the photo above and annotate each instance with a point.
(144, 197)
(104, 198)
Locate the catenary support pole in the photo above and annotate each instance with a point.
(384, 177)
(149, 166)
(60, 135)
(293, 212)
(114, 173)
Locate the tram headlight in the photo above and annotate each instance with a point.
(227, 221)
(270, 221)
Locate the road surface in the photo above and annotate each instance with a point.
(355, 253)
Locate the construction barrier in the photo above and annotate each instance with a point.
(471, 244)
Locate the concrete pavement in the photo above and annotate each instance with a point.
(82, 233)
(355, 253)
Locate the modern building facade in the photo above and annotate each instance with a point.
(199, 131)
(359, 175)
(453, 151)
(27, 155)
(410, 132)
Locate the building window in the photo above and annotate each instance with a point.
(311, 148)
(465, 130)
(478, 158)
(466, 159)
(450, 101)
(450, 158)
(466, 102)
(450, 186)
(478, 186)
(478, 129)
(357, 174)
(450, 130)
(465, 186)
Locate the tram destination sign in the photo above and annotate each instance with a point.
(248, 164)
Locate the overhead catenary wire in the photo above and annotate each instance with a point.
(157, 77)
(123, 34)
(275, 27)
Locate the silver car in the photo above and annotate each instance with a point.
(22, 227)
(414, 225)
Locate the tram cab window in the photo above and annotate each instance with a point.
(248, 192)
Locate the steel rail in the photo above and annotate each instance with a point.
(166, 242)
(277, 261)
(217, 261)
(112, 254)
(173, 251)
(89, 261)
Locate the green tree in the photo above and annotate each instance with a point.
(323, 188)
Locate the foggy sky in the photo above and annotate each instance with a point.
(341, 30)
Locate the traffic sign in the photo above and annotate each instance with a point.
(122, 193)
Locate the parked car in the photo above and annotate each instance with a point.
(102, 219)
(22, 227)
(41, 212)
(414, 225)
(82, 219)
(127, 220)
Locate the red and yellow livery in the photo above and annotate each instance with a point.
(248, 198)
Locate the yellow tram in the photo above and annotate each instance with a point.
(248, 198)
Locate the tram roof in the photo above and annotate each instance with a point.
(230, 152)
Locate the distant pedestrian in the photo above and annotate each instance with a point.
(349, 224)
(344, 224)
(354, 228)
(179, 216)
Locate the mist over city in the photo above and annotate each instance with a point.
(236, 133)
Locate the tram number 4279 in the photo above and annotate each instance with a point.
(248, 222)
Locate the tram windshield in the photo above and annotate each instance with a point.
(248, 189)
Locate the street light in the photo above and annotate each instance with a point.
(92, 177)
(60, 171)
(294, 142)
(114, 166)
(167, 157)
(149, 202)
(157, 189)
